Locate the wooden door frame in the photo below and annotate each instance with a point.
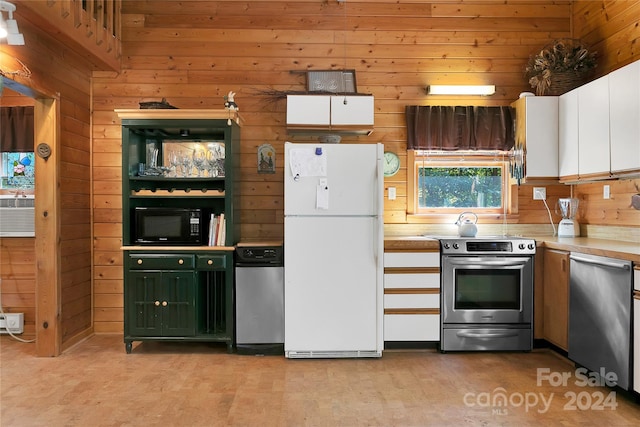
(47, 219)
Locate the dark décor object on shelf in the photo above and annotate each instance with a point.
(560, 67)
(332, 81)
(156, 105)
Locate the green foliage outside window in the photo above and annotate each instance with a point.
(460, 187)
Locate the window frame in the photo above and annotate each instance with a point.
(416, 158)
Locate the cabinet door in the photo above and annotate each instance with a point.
(160, 303)
(540, 119)
(308, 109)
(593, 129)
(556, 297)
(636, 343)
(351, 110)
(178, 304)
(624, 96)
(143, 303)
(568, 136)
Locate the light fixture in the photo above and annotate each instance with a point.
(9, 27)
(461, 89)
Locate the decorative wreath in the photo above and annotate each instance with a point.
(560, 66)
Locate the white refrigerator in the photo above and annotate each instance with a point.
(333, 248)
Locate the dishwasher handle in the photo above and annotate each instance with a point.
(610, 264)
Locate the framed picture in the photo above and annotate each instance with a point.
(332, 81)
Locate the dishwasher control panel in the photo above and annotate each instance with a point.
(259, 255)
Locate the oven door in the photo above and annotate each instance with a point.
(487, 290)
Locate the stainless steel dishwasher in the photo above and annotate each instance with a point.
(600, 298)
(259, 299)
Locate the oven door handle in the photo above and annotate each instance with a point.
(486, 262)
(486, 334)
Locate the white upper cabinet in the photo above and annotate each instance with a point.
(335, 113)
(308, 110)
(568, 136)
(624, 116)
(352, 110)
(537, 128)
(593, 129)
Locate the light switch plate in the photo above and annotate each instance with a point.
(392, 193)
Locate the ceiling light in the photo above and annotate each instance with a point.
(461, 90)
(9, 28)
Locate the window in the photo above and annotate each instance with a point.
(446, 183)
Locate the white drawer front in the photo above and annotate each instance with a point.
(412, 327)
(412, 301)
(636, 279)
(412, 259)
(412, 280)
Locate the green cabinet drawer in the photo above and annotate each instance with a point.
(211, 262)
(161, 261)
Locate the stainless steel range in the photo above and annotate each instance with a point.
(486, 294)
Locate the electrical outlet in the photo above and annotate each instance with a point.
(539, 193)
(11, 322)
(606, 192)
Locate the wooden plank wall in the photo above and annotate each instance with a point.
(194, 52)
(57, 72)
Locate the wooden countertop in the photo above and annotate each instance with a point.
(609, 248)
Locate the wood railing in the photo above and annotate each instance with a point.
(90, 27)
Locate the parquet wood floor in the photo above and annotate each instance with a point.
(196, 384)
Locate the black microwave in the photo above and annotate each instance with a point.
(168, 226)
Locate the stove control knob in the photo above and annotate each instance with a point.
(445, 245)
(521, 246)
(456, 246)
(531, 246)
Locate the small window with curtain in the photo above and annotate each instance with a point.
(458, 159)
(17, 161)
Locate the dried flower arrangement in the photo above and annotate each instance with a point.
(560, 67)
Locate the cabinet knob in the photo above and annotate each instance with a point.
(164, 303)
(139, 262)
(210, 262)
(180, 261)
(157, 303)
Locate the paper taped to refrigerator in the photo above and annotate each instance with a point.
(307, 162)
(322, 195)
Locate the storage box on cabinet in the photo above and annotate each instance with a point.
(412, 296)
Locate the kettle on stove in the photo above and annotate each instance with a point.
(466, 226)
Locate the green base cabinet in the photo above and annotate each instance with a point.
(178, 297)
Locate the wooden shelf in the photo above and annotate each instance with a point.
(179, 114)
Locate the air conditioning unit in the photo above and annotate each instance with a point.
(11, 322)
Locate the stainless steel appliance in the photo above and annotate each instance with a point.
(259, 299)
(486, 293)
(600, 298)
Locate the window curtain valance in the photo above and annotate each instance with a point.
(450, 128)
(16, 129)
